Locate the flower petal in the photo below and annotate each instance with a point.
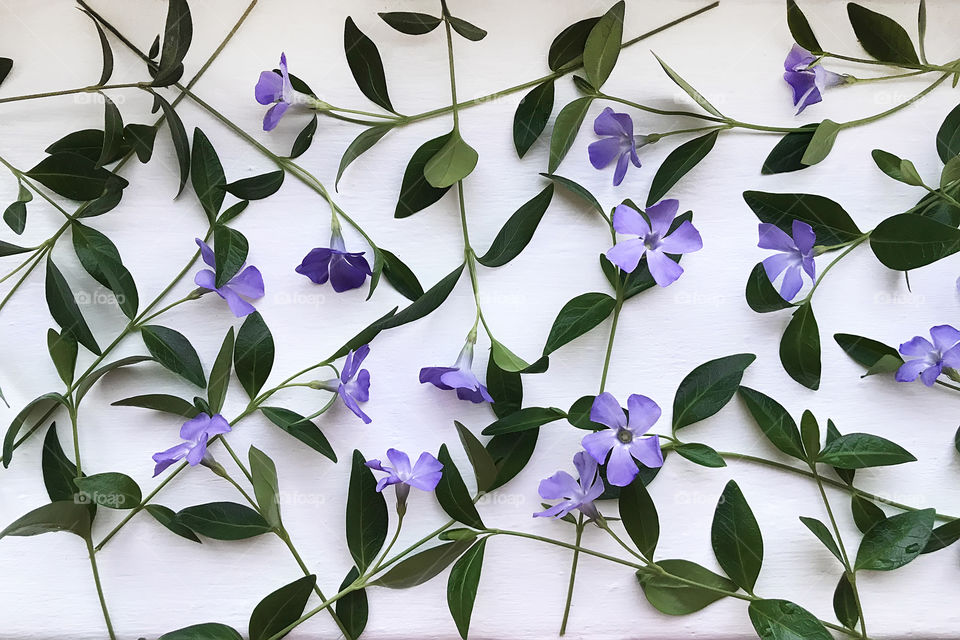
(206, 253)
(792, 282)
(803, 236)
(621, 469)
(644, 413)
(351, 404)
(944, 336)
(610, 123)
(194, 427)
(628, 220)
(661, 215)
(627, 254)
(916, 346)
(798, 58)
(195, 455)
(622, 163)
(606, 410)
(603, 152)
(930, 374)
(599, 443)
(400, 462)
(343, 275)
(316, 265)
(433, 375)
(910, 369)
(558, 486)
(274, 113)
(685, 239)
(353, 361)
(269, 88)
(249, 283)
(206, 279)
(238, 305)
(773, 237)
(664, 270)
(647, 450)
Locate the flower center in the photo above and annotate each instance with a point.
(625, 436)
(652, 240)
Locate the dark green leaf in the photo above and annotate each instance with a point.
(85, 142)
(64, 515)
(467, 30)
(783, 620)
(761, 295)
(410, 23)
(172, 350)
(506, 389)
(253, 354)
(565, 130)
(300, 428)
(511, 452)
(700, 454)
(943, 536)
(823, 534)
(708, 388)
(786, 155)
(232, 212)
(895, 541)
(112, 490)
(64, 310)
(484, 468)
(304, 139)
(865, 351)
(948, 136)
(845, 603)
(230, 249)
(220, 374)
(862, 450)
(100, 258)
(365, 64)
(63, 352)
(639, 516)
(400, 276)
(6, 64)
(452, 493)
(206, 175)
(106, 51)
(680, 161)
(416, 193)
(821, 143)
(167, 517)
(366, 521)
(88, 381)
(865, 513)
(531, 116)
(810, 435)
(736, 538)
(281, 608)
(577, 190)
(462, 586)
(517, 231)
(800, 347)
(897, 168)
(452, 163)
(15, 215)
(266, 487)
(423, 566)
(908, 241)
(881, 36)
(112, 133)
(58, 471)
(602, 46)
(774, 421)
(177, 35)
(141, 138)
(44, 402)
(832, 434)
(830, 222)
(74, 176)
(7, 249)
(160, 402)
(567, 48)
(577, 317)
(224, 521)
(673, 597)
(352, 609)
(507, 359)
(524, 420)
(178, 134)
(360, 145)
(256, 187)
(203, 631)
(800, 28)
(425, 304)
(689, 90)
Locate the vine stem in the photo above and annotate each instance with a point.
(853, 245)
(573, 577)
(67, 92)
(96, 579)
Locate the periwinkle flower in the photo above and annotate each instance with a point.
(344, 270)
(247, 283)
(620, 143)
(195, 433)
(460, 377)
(930, 359)
(807, 77)
(424, 474)
(654, 239)
(276, 90)
(796, 254)
(573, 494)
(353, 385)
(623, 440)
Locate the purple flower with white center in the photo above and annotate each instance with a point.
(343, 269)
(930, 359)
(620, 143)
(655, 240)
(353, 385)
(807, 78)
(622, 440)
(796, 254)
(573, 494)
(195, 433)
(424, 474)
(247, 283)
(276, 90)
(460, 377)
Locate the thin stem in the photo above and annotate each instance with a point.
(96, 580)
(948, 385)
(923, 68)
(816, 284)
(566, 545)
(613, 333)
(855, 80)
(573, 577)
(246, 496)
(393, 541)
(67, 92)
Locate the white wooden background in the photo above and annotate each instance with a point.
(155, 581)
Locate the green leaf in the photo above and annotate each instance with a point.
(907, 241)
(206, 175)
(304, 138)
(822, 142)
(832, 434)
(230, 249)
(100, 258)
(897, 168)
(830, 222)
(178, 134)
(786, 155)
(281, 608)
(203, 631)
(708, 388)
(865, 514)
(602, 46)
(112, 133)
(810, 435)
(736, 538)
(266, 486)
(895, 541)
(761, 295)
(256, 187)
(467, 30)
(88, 381)
(517, 231)
(400, 276)
(141, 138)
(943, 536)
(511, 452)
(462, 586)
(881, 36)
(172, 350)
(674, 597)
(700, 454)
(233, 211)
(224, 521)
(567, 48)
(366, 520)
(352, 609)
(862, 450)
(423, 566)
(220, 374)
(177, 35)
(416, 193)
(676, 165)
(823, 534)
(774, 421)
(44, 402)
(167, 517)
(74, 176)
(565, 130)
(360, 145)
(63, 352)
(253, 354)
(865, 351)
(689, 90)
(452, 493)
(85, 142)
(112, 490)
(639, 516)
(452, 163)
(505, 358)
(411, 23)
(300, 428)
(160, 402)
(6, 64)
(63, 308)
(845, 603)
(363, 57)
(58, 471)
(577, 317)
(577, 190)
(506, 389)
(948, 136)
(425, 304)
(524, 419)
(15, 215)
(364, 336)
(800, 347)
(64, 515)
(800, 28)
(783, 620)
(531, 116)
(7, 249)
(484, 468)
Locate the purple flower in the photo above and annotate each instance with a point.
(796, 253)
(353, 385)
(622, 440)
(931, 359)
(460, 377)
(807, 78)
(247, 283)
(571, 493)
(620, 144)
(344, 270)
(195, 433)
(654, 240)
(424, 474)
(276, 90)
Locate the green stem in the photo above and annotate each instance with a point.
(67, 92)
(96, 580)
(573, 577)
(853, 245)
(855, 80)
(923, 68)
(393, 541)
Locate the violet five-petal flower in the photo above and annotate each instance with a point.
(623, 439)
(276, 90)
(460, 377)
(654, 240)
(619, 144)
(195, 433)
(424, 474)
(795, 254)
(573, 494)
(247, 283)
(930, 359)
(344, 270)
(353, 385)
(807, 77)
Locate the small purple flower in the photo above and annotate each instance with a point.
(247, 283)
(424, 474)
(796, 253)
(353, 385)
(276, 90)
(930, 359)
(195, 433)
(571, 493)
(620, 143)
(460, 377)
(623, 439)
(654, 240)
(807, 78)
(344, 270)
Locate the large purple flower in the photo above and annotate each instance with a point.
(195, 433)
(573, 494)
(807, 77)
(654, 240)
(424, 474)
(276, 90)
(247, 283)
(344, 270)
(930, 359)
(620, 143)
(622, 440)
(460, 377)
(353, 385)
(796, 254)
